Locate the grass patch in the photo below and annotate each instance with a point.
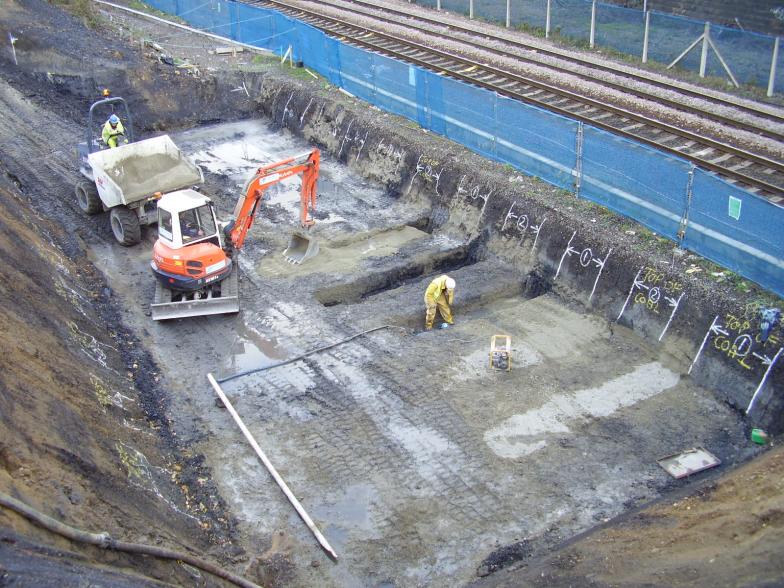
(147, 9)
(84, 10)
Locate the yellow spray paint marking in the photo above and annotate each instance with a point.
(466, 70)
(100, 390)
(133, 463)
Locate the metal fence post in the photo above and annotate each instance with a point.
(593, 23)
(471, 9)
(508, 13)
(646, 37)
(578, 166)
(438, 5)
(546, 22)
(687, 208)
(773, 65)
(705, 46)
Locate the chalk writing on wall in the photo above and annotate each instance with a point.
(735, 337)
(656, 293)
(357, 139)
(428, 168)
(392, 152)
(288, 113)
(522, 223)
(586, 258)
(473, 192)
(304, 112)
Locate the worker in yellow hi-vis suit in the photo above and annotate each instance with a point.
(113, 132)
(439, 295)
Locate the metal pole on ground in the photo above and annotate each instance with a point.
(593, 23)
(646, 37)
(508, 13)
(268, 464)
(471, 9)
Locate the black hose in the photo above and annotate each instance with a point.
(311, 352)
(105, 541)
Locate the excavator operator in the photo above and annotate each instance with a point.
(113, 132)
(439, 295)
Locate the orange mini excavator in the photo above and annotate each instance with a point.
(194, 258)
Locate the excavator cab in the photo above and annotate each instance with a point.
(189, 252)
(193, 258)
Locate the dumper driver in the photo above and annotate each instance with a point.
(439, 296)
(113, 132)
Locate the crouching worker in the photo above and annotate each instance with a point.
(439, 295)
(113, 132)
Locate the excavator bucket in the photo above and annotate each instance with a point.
(301, 247)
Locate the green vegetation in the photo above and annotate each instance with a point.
(147, 9)
(83, 9)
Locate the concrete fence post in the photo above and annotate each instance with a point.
(508, 13)
(547, 22)
(471, 9)
(705, 47)
(773, 65)
(593, 24)
(646, 37)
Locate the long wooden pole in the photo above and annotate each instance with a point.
(289, 494)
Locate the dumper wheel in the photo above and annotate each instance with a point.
(87, 197)
(125, 226)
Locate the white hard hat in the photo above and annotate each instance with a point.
(450, 284)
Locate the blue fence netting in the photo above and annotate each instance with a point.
(634, 180)
(621, 28)
(537, 142)
(709, 216)
(736, 229)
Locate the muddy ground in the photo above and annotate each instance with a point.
(421, 465)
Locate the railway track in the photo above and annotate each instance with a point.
(752, 169)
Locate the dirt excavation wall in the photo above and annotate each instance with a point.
(84, 437)
(589, 256)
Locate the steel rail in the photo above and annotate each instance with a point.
(362, 35)
(617, 70)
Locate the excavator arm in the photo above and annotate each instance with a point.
(245, 211)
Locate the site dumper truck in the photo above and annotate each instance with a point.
(129, 179)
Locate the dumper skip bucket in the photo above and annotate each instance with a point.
(301, 247)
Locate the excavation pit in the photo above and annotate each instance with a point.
(412, 416)
(413, 456)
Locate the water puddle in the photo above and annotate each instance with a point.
(251, 350)
(349, 516)
(237, 150)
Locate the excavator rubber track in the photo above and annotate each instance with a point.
(221, 298)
